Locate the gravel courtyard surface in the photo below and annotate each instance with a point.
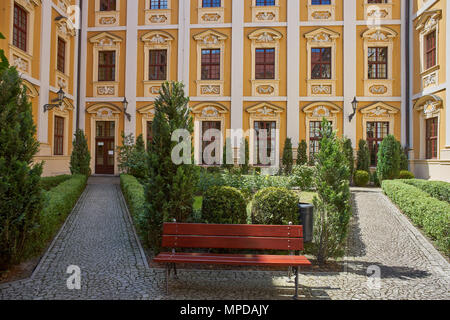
(99, 238)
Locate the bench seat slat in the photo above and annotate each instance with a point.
(233, 230)
(232, 259)
(170, 241)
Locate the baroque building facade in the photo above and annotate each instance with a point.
(247, 65)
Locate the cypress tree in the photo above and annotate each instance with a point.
(363, 156)
(170, 188)
(81, 157)
(388, 167)
(21, 196)
(332, 203)
(302, 158)
(348, 151)
(287, 160)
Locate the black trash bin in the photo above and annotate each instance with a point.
(307, 220)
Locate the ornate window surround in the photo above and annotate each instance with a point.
(210, 39)
(104, 111)
(210, 15)
(106, 41)
(321, 12)
(66, 31)
(208, 111)
(378, 11)
(17, 57)
(265, 38)
(428, 107)
(157, 16)
(63, 112)
(148, 114)
(264, 112)
(265, 14)
(155, 40)
(107, 18)
(322, 38)
(378, 112)
(316, 111)
(426, 24)
(378, 37)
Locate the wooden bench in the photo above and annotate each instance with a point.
(215, 236)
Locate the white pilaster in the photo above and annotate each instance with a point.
(411, 79)
(131, 66)
(44, 74)
(293, 72)
(84, 42)
(237, 66)
(405, 103)
(184, 21)
(349, 68)
(447, 75)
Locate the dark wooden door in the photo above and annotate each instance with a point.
(104, 147)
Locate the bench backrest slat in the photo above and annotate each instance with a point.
(183, 235)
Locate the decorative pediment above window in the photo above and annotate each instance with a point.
(209, 110)
(156, 38)
(148, 112)
(428, 21)
(265, 35)
(105, 39)
(378, 109)
(321, 36)
(31, 89)
(210, 38)
(104, 110)
(65, 27)
(379, 34)
(265, 14)
(321, 110)
(29, 4)
(265, 109)
(429, 105)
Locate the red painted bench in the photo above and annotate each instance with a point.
(215, 236)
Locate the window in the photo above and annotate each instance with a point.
(211, 3)
(58, 141)
(265, 3)
(157, 65)
(432, 138)
(107, 66)
(376, 1)
(314, 137)
(158, 4)
(268, 138)
(107, 5)
(149, 133)
(20, 28)
(265, 63)
(321, 63)
(376, 132)
(377, 62)
(211, 64)
(320, 2)
(430, 50)
(61, 59)
(208, 138)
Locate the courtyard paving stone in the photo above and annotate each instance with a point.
(99, 238)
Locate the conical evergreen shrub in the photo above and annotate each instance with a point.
(302, 157)
(81, 157)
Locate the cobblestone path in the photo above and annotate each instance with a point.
(99, 238)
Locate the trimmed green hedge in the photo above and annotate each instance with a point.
(425, 211)
(59, 202)
(48, 183)
(134, 194)
(361, 178)
(437, 189)
(275, 206)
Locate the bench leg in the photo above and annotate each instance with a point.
(167, 278)
(296, 271)
(175, 271)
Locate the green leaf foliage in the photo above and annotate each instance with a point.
(287, 160)
(388, 167)
(80, 160)
(224, 205)
(48, 183)
(363, 156)
(21, 196)
(361, 178)
(302, 157)
(428, 213)
(275, 206)
(437, 189)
